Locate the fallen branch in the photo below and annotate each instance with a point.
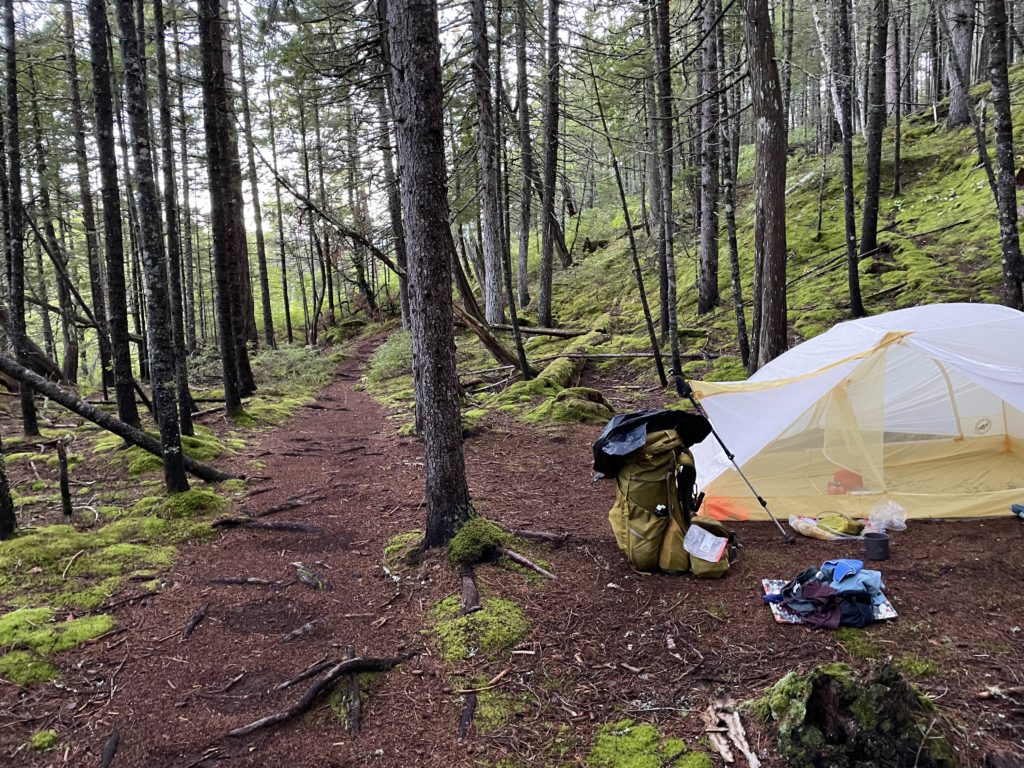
(467, 715)
(242, 580)
(562, 333)
(197, 617)
(282, 507)
(545, 537)
(353, 698)
(281, 525)
(110, 749)
(515, 557)
(313, 669)
(345, 667)
(470, 593)
(108, 422)
(295, 634)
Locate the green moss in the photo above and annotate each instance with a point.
(192, 503)
(916, 666)
(476, 540)
(858, 644)
(399, 547)
(43, 740)
(393, 358)
(33, 628)
(498, 625)
(573, 405)
(627, 744)
(25, 668)
(495, 708)
(235, 485)
(204, 446)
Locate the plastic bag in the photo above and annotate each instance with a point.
(887, 516)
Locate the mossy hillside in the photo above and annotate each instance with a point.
(573, 405)
(204, 446)
(628, 744)
(499, 625)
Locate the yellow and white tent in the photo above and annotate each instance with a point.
(925, 405)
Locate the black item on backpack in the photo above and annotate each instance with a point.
(627, 432)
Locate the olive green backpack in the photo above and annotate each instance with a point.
(648, 518)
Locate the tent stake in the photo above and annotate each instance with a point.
(685, 390)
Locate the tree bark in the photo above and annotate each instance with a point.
(419, 106)
(551, 119)
(280, 213)
(110, 194)
(707, 283)
(8, 521)
(254, 186)
(487, 152)
(16, 219)
(1006, 188)
(223, 205)
(769, 181)
(526, 155)
(960, 15)
(846, 123)
(160, 337)
(654, 166)
(170, 194)
(663, 61)
(188, 267)
(85, 193)
(873, 149)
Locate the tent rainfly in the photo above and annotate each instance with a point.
(923, 406)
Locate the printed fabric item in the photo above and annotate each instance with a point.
(851, 601)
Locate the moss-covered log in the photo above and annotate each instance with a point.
(89, 411)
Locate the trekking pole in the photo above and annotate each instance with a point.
(685, 390)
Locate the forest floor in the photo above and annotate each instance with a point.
(567, 657)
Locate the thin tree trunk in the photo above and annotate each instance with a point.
(8, 521)
(526, 155)
(654, 165)
(846, 122)
(160, 337)
(280, 212)
(419, 105)
(188, 266)
(16, 219)
(222, 205)
(873, 149)
(769, 181)
(551, 118)
(960, 19)
(254, 186)
(85, 193)
(707, 284)
(326, 256)
(663, 59)
(1006, 188)
(170, 194)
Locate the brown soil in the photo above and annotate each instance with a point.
(605, 643)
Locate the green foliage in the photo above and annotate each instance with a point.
(916, 666)
(43, 740)
(856, 643)
(627, 744)
(498, 625)
(192, 503)
(573, 405)
(392, 359)
(204, 446)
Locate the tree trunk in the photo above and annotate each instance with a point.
(254, 187)
(787, 65)
(873, 149)
(654, 166)
(828, 58)
(419, 105)
(160, 338)
(707, 284)
(8, 521)
(487, 152)
(188, 267)
(769, 181)
(326, 255)
(223, 206)
(663, 61)
(170, 193)
(846, 123)
(16, 219)
(110, 195)
(551, 117)
(526, 155)
(280, 213)
(960, 16)
(1006, 188)
(85, 193)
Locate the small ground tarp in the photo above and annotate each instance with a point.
(924, 406)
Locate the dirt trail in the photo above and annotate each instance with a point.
(605, 643)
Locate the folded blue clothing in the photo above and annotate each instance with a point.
(865, 580)
(1018, 510)
(837, 570)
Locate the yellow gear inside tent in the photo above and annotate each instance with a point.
(922, 406)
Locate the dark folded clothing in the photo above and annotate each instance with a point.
(856, 609)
